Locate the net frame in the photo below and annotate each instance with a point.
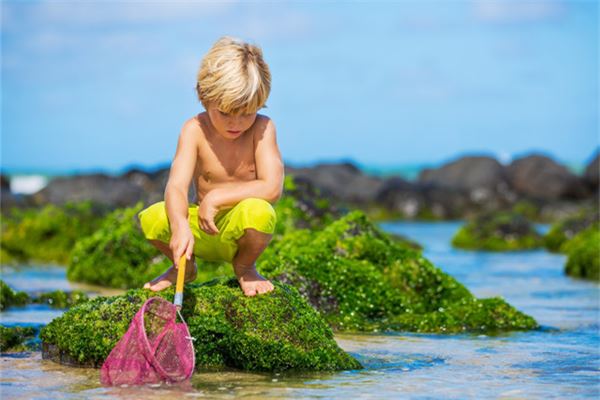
(136, 338)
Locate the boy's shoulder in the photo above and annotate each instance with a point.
(194, 123)
(197, 123)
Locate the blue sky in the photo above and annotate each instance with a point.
(108, 84)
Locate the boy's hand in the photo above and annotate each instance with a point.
(182, 242)
(206, 215)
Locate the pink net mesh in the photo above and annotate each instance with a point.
(154, 349)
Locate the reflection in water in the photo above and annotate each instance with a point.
(558, 361)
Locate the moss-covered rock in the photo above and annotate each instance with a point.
(272, 332)
(9, 297)
(303, 207)
(55, 299)
(583, 254)
(60, 298)
(117, 254)
(6, 258)
(564, 230)
(498, 231)
(361, 280)
(46, 234)
(16, 339)
(528, 208)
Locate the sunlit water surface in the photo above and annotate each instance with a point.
(561, 360)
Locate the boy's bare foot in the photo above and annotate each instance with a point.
(169, 277)
(251, 282)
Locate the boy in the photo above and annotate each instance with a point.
(230, 153)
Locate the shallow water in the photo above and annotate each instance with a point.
(558, 361)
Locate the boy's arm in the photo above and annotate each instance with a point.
(267, 186)
(176, 192)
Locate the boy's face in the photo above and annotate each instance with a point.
(227, 125)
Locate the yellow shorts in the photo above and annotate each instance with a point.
(249, 213)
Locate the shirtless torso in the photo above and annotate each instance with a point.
(220, 161)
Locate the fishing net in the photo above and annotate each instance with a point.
(154, 349)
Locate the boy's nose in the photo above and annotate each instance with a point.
(235, 121)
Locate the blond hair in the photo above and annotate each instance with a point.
(234, 77)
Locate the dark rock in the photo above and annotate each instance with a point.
(591, 175)
(430, 200)
(399, 195)
(153, 184)
(566, 228)
(538, 176)
(483, 178)
(98, 188)
(4, 182)
(8, 199)
(341, 181)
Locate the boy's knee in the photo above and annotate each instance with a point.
(154, 221)
(260, 214)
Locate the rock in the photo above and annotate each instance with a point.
(468, 185)
(483, 178)
(583, 254)
(361, 280)
(4, 182)
(540, 177)
(446, 202)
(97, 188)
(153, 184)
(428, 201)
(116, 254)
(565, 229)
(48, 233)
(272, 332)
(401, 196)
(591, 175)
(55, 299)
(9, 298)
(60, 298)
(343, 182)
(303, 206)
(8, 199)
(500, 231)
(16, 339)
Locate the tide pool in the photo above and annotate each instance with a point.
(560, 360)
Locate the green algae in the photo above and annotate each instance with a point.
(55, 299)
(271, 332)
(497, 231)
(61, 299)
(46, 234)
(302, 206)
(528, 209)
(562, 231)
(16, 339)
(10, 297)
(361, 280)
(583, 254)
(117, 254)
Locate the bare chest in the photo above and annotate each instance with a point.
(225, 163)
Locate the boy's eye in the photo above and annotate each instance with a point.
(223, 113)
